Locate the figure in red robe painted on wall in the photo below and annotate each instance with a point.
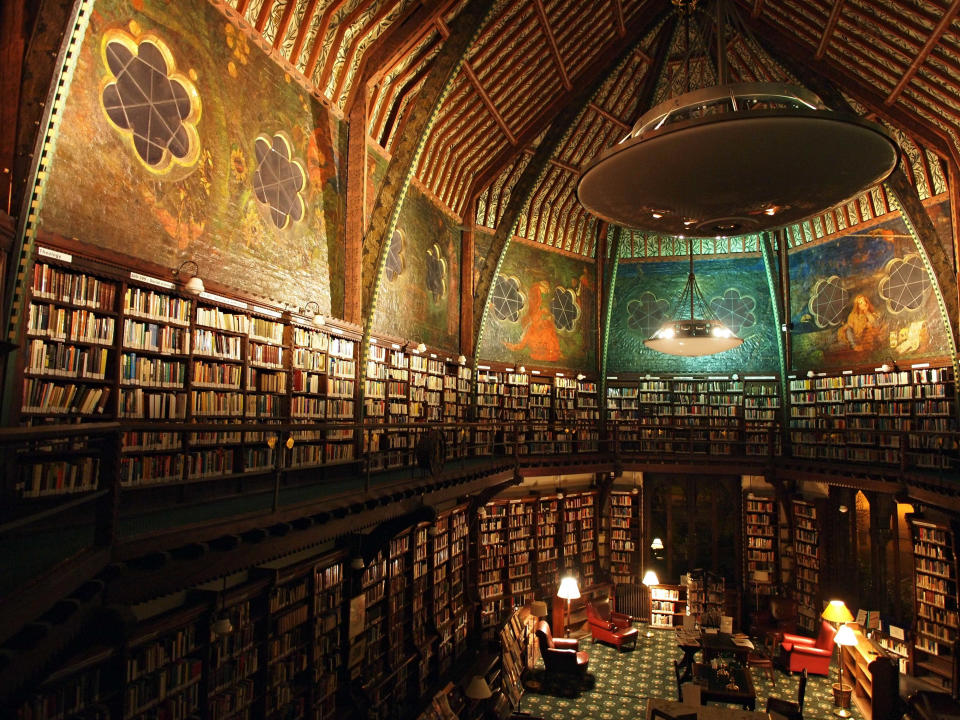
(539, 338)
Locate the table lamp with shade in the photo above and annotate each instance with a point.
(649, 580)
(845, 637)
(568, 590)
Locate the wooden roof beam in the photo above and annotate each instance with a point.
(552, 42)
(609, 116)
(828, 30)
(491, 108)
(556, 163)
(616, 6)
(921, 57)
(757, 8)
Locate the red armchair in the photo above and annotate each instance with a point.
(560, 655)
(803, 653)
(615, 628)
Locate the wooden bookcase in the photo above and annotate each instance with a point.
(547, 545)
(624, 534)
(668, 605)
(457, 572)
(588, 416)
(521, 547)
(541, 413)
(705, 596)
(761, 412)
(873, 677)
(82, 687)
(760, 529)
(936, 616)
(489, 386)
(806, 574)
(575, 625)
(492, 559)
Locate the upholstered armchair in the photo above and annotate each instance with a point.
(803, 653)
(560, 655)
(614, 628)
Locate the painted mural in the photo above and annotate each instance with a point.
(542, 310)
(736, 290)
(198, 146)
(864, 299)
(419, 297)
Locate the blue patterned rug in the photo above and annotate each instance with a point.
(618, 682)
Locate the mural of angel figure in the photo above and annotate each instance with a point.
(539, 337)
(863, 325)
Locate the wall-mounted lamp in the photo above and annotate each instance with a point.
(810, 373)
(357, 563)
(462, 359)
(522, 369)
(194, 285)
(657, 544)
(312, 310)
(580, 376)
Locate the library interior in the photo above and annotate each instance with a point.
(473, 359)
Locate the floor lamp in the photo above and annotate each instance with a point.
(569, 590)
(649, 580)
(836, 612)
(843, 638)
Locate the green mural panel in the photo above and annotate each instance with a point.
(543, 310)
(419, 297)
(864, 299)
(645, 296)
(182, 140)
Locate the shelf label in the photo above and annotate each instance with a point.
(223, 300)
(55, 254)
(152, 281)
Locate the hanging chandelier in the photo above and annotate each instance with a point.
(734, 158)
(693, 336)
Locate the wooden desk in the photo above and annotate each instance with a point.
(717, 644)
(714, 690)
(703, 712)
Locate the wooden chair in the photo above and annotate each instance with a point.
(786, 708)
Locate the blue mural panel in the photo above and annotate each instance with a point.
(735, 288)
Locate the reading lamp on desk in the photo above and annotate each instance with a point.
(568, 590)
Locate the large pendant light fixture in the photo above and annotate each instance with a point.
(693, 336)
(734, 158)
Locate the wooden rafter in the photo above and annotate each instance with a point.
(552, 43)
(828, 30)
(352, 50)
(320, 38)
(303, 30)
(616, 7)
(284, 24)
(264, 15)
(757, 8)
(334, 50)
(491, 108)
(921, 57)
(609, 116)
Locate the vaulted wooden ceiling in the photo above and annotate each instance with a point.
(897, 61)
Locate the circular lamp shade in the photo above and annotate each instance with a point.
(836, 612)
(650, 578)
(845, 636)
(568, 590)
(735, 159)
(538, 608)
(478, 689)
(693, 338)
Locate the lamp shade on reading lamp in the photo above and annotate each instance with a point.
(538, 608)
(478, 689)
(845, 636)
(569, 590)
(837, 612)
(650, 578)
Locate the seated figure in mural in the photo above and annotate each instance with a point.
(862, 326)
(539, 337)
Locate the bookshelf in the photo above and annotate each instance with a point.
(547, 548)
(667, 605)
(514, 641)
(521, 547)
(489, 385)
(514, 409)
(328, 656)
(705, 597)
(759, 546)
(588, 416)
(873, 677)
(624, 531)
(541, 401)
(432, 621)
(492, 558)
(761, 409)
(398, 442)
(935, 617)
(80, 688)
(399, 609)
(806, 576)
(457, 572)
(163, 667)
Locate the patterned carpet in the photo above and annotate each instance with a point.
(617, 684)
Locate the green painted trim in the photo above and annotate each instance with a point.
(766, 249)
(21, 257)
(937, 292)
(607, 314)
